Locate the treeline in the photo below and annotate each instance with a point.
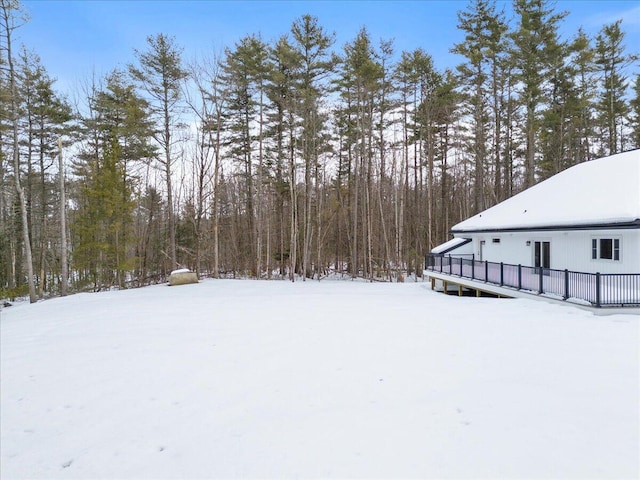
(294, 157)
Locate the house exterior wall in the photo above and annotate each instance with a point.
(571, 249)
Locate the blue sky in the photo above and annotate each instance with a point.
(76, 38)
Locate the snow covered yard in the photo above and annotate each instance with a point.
(331, 379)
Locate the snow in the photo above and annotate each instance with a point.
(452, 244)
(330, 379)
(181, 270)
(599, 192)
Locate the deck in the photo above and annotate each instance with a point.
(606, 292)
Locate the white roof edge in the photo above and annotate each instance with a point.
(452, 244)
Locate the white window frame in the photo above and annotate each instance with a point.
(616, 248)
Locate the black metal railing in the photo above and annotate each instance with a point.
(597, 289)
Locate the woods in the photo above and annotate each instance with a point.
(294, 157)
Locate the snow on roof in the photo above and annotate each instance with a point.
(596, 193)
(450, 245)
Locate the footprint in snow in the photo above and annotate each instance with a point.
(463, 422)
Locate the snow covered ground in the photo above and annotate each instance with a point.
(330, 379)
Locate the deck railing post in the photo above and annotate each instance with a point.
(501, 274)
(598, 289)
(486, 271)
(566, 283)
(519, 277)
(473, 269)
(541, 282)
(450, 265)
(461, 260)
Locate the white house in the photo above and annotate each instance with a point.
(584, 219)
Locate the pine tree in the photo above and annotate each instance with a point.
(10, 14)
(535, 38)
(148, 222)
(118, 132)
(282, 87)
(104, 209)
(446, 104)
(635, 113)
(612, 106)
(418, 79)
(584, 68)
(311, 43)
(160, 75)
(387, 105)
(244, 71)
(557, 117)
(360, 83)
(476, 24)
(46, 119)
(498, 66)
(7, 244)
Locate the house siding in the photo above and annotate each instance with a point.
(570, 249)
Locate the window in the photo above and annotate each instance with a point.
(605, 248)
(496, 240)
(542, 254)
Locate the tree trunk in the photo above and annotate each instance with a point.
(64, 266)
(26, 239)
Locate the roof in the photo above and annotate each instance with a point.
(597, 194)
(452, 244)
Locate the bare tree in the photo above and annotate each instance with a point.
(208, 107)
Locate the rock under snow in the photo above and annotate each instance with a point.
(183, 276)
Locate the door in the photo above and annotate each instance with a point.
(542, 255)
